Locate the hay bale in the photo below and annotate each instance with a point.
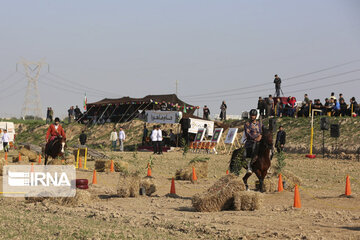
(129, 185)
(81, 197)
(55, 161)
(291, 180)
(23, 159)
(102, 165)
(149, 186)
(32, 156)
(220, 196)
(247, 201)
(201, 169)
(270, 184)
(121, 166)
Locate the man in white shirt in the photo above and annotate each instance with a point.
(113, 139)
(121, 139)
(5, 140)
(159, 139)
(153, 137)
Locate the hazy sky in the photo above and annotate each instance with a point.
(135, 48)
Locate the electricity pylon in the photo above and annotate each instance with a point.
(32, 103)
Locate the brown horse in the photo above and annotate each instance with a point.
(262, 162)
(54, 148)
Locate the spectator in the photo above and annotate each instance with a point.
(306, 99)
(343, 107)
(51, 114)
(328, 106)
(341, 97)
(113, 139)
(48, 115)
(279, 107)
(354, 107)
(280, 139)
(77, 112)
(336, 108)
(206, 131)
(71, 113)
(82, 138)
(5, 140)
(333, 96)
(121, 139)
(153, 137)
(290, 107)
(269, 106)
(261, 106)
(145, 135)
(159, 139)
(223, 108)
(163, 106)
(206, 113)
(277, 82)
(318, 105)
(172, 138)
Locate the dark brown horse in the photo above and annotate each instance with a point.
(262, 162)
(54, 148)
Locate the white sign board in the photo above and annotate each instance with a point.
(163, 116)
(231, 135)
(199, 123)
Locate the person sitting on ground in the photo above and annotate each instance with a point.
(55, 130)
(336, 108)
(354, 107)
(328, 106)
(341, 97)
(280, 139)
(343, 107)
(318, 105)
(83, 138)
(306, 99)
(252, 131)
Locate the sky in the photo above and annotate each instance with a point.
(216, 50)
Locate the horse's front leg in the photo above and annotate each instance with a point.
(245, 178)
(261, 180)
(46, 158)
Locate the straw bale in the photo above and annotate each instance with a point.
(247, 201)
(129, 185)
(56, 161)
(32, 156)
(220, 196)
(149, 186)
(270, 184)
(23, 159)
(81, 197)
(104, 166)
(291, 180)
(201, 169)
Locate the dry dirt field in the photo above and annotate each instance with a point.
(324, 214)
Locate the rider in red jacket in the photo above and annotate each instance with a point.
(55, 130)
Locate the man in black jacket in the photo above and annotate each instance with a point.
(82, 138)
(277, 82)
(280, 139)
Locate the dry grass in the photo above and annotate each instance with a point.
(128, 186)
(247, 201)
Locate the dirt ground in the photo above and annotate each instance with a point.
(323, 215)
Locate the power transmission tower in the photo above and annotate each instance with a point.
(32, 103)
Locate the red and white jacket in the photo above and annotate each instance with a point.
(53, 132)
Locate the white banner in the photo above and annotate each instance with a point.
(199, 123)
(163, 116)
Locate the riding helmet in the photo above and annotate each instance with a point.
(57, 120)
(253, 112)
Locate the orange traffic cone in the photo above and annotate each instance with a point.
(112, 166)
(194, 177)
(6, 158)
(297, 203)
(19, 157)
(32, 167)
(347, 187)
(80, 164)
(280, 184)
(94, 181)
(39, 158)
(227, 172)
(149, 171)
(172, 189)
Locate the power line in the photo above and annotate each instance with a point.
(81, 85)
(292, 85)
(269, 83)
